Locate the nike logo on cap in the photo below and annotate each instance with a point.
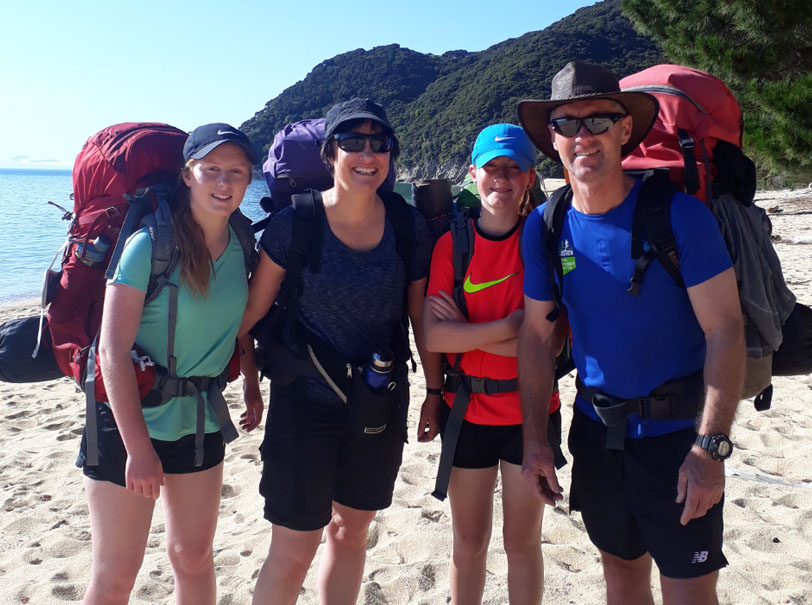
(472, 288)
(500, 139)
(222, 132)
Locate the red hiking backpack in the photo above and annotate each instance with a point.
(697, 111)
(114, 163)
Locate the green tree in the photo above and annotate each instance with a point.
(762, 49)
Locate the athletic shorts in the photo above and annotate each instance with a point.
(311, 458)
(484, 445)
(627, 500)
(177, 457)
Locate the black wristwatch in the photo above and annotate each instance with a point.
(719, 445)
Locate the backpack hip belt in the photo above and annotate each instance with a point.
(478, 384)
(673, 400)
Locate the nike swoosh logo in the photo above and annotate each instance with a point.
(472, 288)
(222, 132)
(500, 139)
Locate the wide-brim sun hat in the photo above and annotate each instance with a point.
(580, 81)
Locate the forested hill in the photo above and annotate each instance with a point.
(438, 103)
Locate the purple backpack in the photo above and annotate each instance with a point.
(294, 163)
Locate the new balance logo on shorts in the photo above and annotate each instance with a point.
(700, 556)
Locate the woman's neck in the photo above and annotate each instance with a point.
(350, 206)
(215, 232)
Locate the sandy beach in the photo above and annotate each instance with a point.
(45, 535)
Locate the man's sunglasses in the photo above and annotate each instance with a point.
(354, 142)
(596, 123)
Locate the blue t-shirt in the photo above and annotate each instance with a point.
(205, 333)
(356, 298)
(626, 345)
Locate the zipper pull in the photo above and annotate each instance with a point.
(349, 371)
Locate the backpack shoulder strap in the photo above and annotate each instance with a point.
(165, 253)
(552, 227)
(652, 233)
(462, 240)
(248, 241)
(397, 210)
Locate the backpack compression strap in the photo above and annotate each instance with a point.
(652, 233)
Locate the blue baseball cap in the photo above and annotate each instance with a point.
(204, 139)
(504, 140)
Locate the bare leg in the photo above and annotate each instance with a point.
(119, 525)
(690, 591)
(523, 511)
(283, 573)
(342, 560)
(627, 581)
(471, 495)
(191, 506)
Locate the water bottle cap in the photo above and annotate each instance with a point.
(382, 361)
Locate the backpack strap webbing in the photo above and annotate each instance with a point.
(551, 229)
(652, 232)
(677, 399)
(462, 246)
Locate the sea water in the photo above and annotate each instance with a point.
(32, 230)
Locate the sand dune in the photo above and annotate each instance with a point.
(45, 545)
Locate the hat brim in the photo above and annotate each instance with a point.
(534, 116)
(207, 149)
(521, 160)
(361, 115)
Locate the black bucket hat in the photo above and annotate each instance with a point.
(584, 82)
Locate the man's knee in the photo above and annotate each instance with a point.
(350, 530)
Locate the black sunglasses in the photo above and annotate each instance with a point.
(354, 142)
(597, 123)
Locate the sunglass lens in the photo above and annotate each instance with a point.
(380, 143)
(567, 126)
(598, 125)
(351, 143)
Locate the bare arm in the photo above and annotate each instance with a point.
(262, 291)
(718, 310)
(122, 315)
(265, 283)
(428, 425)
(537, 344)
(447, 330)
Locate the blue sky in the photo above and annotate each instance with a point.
(68, 69)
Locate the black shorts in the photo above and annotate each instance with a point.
(627, 500)
(484, 445)
(311, 458)
(177, 457)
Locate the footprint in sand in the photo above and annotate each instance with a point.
(228, 491)
(427, 578)
(373, 594)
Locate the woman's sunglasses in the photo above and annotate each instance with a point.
(596, 124)
(354, 142)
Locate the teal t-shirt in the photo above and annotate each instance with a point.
(205, 333)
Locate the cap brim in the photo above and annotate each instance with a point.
(523, 162)
(361, 115)
(534, 118)
(207, 149)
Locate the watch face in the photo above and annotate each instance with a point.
(723, 448)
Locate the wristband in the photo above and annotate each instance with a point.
(434, 391)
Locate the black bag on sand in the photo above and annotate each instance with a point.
(794, 356)
(18, 338)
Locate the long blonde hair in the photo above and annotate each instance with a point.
(196, 263)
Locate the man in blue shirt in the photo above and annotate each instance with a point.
(652, 488)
